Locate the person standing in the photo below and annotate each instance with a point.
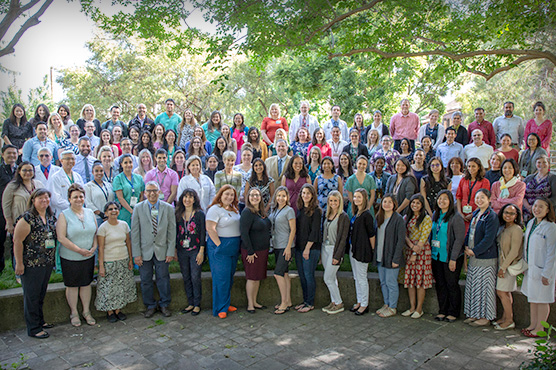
(295, 177)
(355, 148)
(116, 285)
(335, 231)
(510, 253)
(32, 146)
(115, 121)
(361, 180)
(362, 245)
(509, 189)
(169, 119)
(98, 193)
(7, 172)
(540, 125)
(16, 129)
(304, 119)
(336, 145)
(335, 121)
(129, 188)
(272, 123)
(141, 120)
(450, 148)
(447, 238)
(255, 243)
(76, 231)
(404, 124)
(540, 255)
(223, 228)
(153, 242)
(509, 124)
(197, 181)
(166, 178)
(277, 164)
(84, 160)
(478, 149)
(307, 244)
(35, 250)
(390, 243)
(433, 130)
(474, 179)
(480, 247)
(433, 183)
(190, 246)
(528, 157)
(485, 126)
(59, 182)
(45, 168)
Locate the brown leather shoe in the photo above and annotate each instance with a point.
(149, 313)
(165, 311)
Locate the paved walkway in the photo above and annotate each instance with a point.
(265, 341)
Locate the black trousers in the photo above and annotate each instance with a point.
(448, 291)
(34, 281)
(3, 234)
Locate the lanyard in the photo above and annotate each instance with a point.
(105, 193)
(69, 179)
(109, 179)
(130, 183)
(471, 192)
(163, 178)
(32, 188)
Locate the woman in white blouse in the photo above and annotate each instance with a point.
(196, 180)
(98, 192)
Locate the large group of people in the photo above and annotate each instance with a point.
(421, 202)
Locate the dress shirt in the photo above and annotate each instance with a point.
(344, 135)
(336, 150)
(487, 130)
(483, 152)
(81, 164)
(310, 122)
(404, 127)
(513, 126)
(97, 195)
(32, 146)
(448, 151)
(165, 179)
(94, 140)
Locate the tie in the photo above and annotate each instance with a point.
(46, 172)
(87, 172)
(304, 124)
(154, 220)
(280, 165)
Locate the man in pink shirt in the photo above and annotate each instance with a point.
(404, 125)
(165, 177)
(485, 126)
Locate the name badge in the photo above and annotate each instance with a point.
(50, 243)
(436, 243)
(185, 243)
(161, 196)
(154, 212)
(467, 209)
(278, 122)
(133, 202)
(524, 173)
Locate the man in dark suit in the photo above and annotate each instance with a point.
(7, 172)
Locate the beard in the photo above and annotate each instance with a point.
(508, 113)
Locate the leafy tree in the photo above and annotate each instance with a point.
(35, 97)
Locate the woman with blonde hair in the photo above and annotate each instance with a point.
(187, 127)
(55, 129)
(272, 123)
(88, 115)
(145, 163)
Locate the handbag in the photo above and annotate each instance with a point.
(518, 267)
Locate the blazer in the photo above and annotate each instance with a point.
(406, 190)
(486, 232)
(272, 167)
(143, 241)
(361, 149)
(341, 235)
(394, 243)
(363, 229)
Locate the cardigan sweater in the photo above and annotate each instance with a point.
(394, 244)
(456, 236)
(255, 232)
(362, 229)
(341, 235)
(308, 229)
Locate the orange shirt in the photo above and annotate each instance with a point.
(271, 126)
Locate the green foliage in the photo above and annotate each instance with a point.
(544, 352)
(35, 97)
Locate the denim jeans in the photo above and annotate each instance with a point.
(389, 285)
(306, 269)
(162, 282)
(191, 273)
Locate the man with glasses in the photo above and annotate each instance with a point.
(478, 149)
(59, 182)
(45, 168)
(90, 134)
(153, 244)
(32, 146)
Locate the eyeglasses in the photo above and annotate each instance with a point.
(44, 155)
(151, 190)
(435, 164)
(27, 170)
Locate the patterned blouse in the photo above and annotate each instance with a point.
(187, 134)
(391, 157)
(325, 186)
(300, 149)
(35, 253)
(191, 234)
(264, 189)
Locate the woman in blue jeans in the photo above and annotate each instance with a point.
(390, 243)
(307, 244)
(223, 221)
(190, 246)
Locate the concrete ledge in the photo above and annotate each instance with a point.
(56, 309)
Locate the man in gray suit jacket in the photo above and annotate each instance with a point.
(153, 243)
(276, 165)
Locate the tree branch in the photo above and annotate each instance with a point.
(32, 21)
(13, 13)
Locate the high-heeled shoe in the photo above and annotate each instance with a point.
(361, 313)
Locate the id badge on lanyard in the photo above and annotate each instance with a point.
(49, 243)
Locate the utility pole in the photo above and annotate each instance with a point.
(51, 85)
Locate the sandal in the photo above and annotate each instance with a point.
(74, 320)
(306, 308)
(281, 311)
(89, 318)
(41, 335)
(530, 334)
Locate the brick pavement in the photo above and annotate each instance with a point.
(265, 341)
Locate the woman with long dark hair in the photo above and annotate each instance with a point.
(260, 149)
(260, 180)
(145, 142)
(473, 180)
(213, 127)
(16, 128)
(41, 115)
(402, 184)
(294, 178)
(433, 183)
(190, 246)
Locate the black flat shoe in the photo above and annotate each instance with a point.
(449, 320)
(263, 307)
(44, 335)
(47, 326)
(439, 318)
(112, 318)
(251, 311)
(121, 316)
(195, 313)
(361, 313)
(187, 310)
(353, 308)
